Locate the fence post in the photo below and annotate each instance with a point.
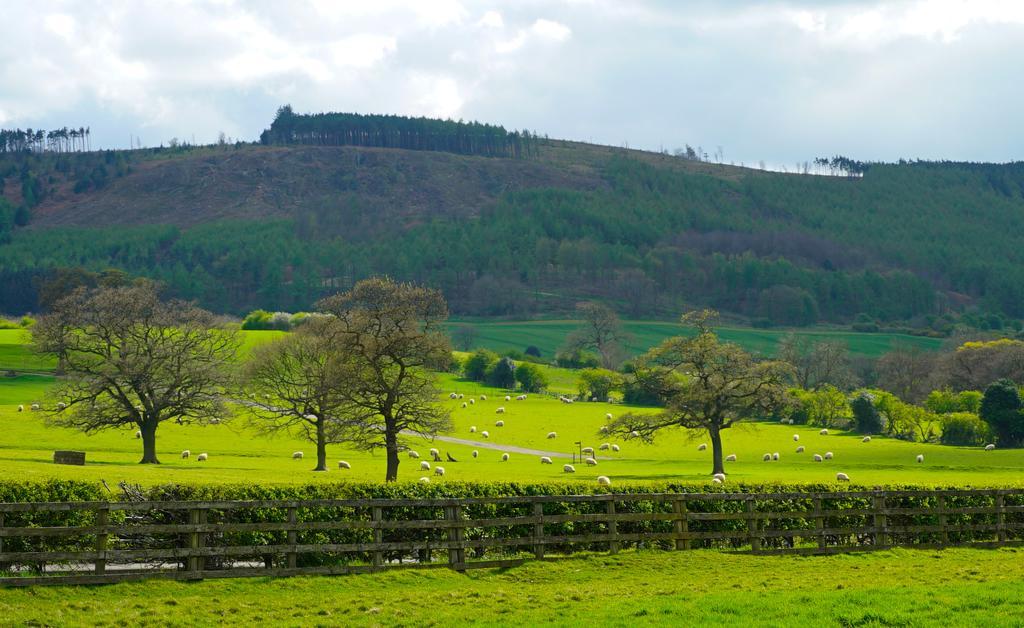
(682, 524)
(538, 531)
(456, 555)
(378, 536)
(881, 537)
(293, 537)
(943, 520)
(102, 518)
(1000, 519)
(3, 524)
(195, 564)
(613, 528)
(819, 523)
(752, 526)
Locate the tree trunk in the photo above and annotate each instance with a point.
(321, 446)
(148, 429)
(391, 444)
(716, 449)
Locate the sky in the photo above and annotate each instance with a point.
(780, 82)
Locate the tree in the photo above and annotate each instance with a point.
(706, 384)
(477, 364)
(131, 359)
(502, 374)
(531, 378)
(1001, 409)
(866, 418)
(598, 383)
(907, 372)
(464, 337)
(295, 384)
(600, 331)
(817, 363)
(392, 335)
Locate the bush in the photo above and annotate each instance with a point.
(532, 350)
(635, 393)
(478, 363)
(866, 418)
(502, 374)
(531, 378)
(577, 360)
(598, 383)
(964, 428)
(1001, 409)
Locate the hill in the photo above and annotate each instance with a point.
(278, 225)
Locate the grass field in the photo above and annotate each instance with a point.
(548, 336)
(954, 587)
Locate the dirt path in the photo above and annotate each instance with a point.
(512, 449)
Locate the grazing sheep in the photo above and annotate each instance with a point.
(828, 455)
(483, 397)
(715, 481)
(414, 454)
(719, 476)
(775, 456)
(604, 429)
(35, 407)
(766, 457)
(796, 437)
(608, 417)
(730, 458)
(61, 405)
(920, 457)
(568, 468)
(186, 453)
(453, 396)
(702, 447)
(344, 465)
(587, 450)
(434, 453)
(499, 424)
(500, 410)
(552, 435)
(475, 453)
(508, 398)
(461, 395)
(202, 457)
(138, 433)
(604, 447)
(521, 398)
(214, 421)
(463, 404)
(635, 434)
(425, 480)
(21, 408)
(866, 439)
(472, 429)
(438, 470)
(604, 480)
(504, 457)
(545, 460)
(591, 462)
(800, 449)
(842, 477)
(990, 446)
(425, 466)
(615, 447)
(472, 401)
(485, 434)
(818, 458)
(297, 455)
(823, 432)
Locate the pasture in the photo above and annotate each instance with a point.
(700, 587)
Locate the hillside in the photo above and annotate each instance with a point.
(277, 226)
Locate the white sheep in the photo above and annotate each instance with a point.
(828, 455)
(719, 476)
(138, 433)
(842, 477)
(508, 398)
(715, 481)
(453, 396)
(201, 457)
(587, 450)
(214, 421)
(461, 395)
(297, 455)
(635, 434)
(521, 398)
(186, 453)
(604, 480)
(434, 453)
(500, 410)
(425, 466)
(823, 432)
(438, 470)
(472, 402)
(21, 408)
(545, 460)
(499, 424)
(702, 446)
(61, 405)
(775, 456)
(424, 480)
(591, 462)
(552, 435)
(800, 449)
(604, 429)
(866, 439)
(475, 453)
(796, 437)
(615, 447)
(608, 417)
(483, 397)
(35, 407)
(485, 434)
(730, 458)
(344, 465)
(568, 468)
(414, 454)
(920, 457)
(472, 429)
(818, 458)
(604, 447)
(766, 457)
(504, 457)
(990, 446)
(463, 404)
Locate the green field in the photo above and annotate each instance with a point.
(548, 336)
(953, 587)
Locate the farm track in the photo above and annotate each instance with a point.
(512, 449)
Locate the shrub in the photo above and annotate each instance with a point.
(634, 392)
(532, 350)
(964, 428)
(1001, 409)
(577, 360)
(597, 383)
(531, 378)
(477, 364)
(502, 374)
(866, 418)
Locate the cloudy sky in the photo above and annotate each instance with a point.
(776, 81)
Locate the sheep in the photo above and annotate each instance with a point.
(500, 410)
(461, 395)
(568, 468)
(214, 421)
(483, 397)
(35, 407)
(202, 457)
(842, 477)
(508, 398)
(800, 449)
(472, 402)
(702, 446)
(818, 458)
(823, 432)
(715, 481)
(424, 480)
(635, 434)
(990, 446)
(472, 429)
(61, 405)
(608, 417)
(604, 447)
(297, 455)
(604, 429)
(604, 480)
(485, 434)
(796, 437)
(552, 435)
(591, 462)
(920, 457)
(438, 470)
(138, 433)
(545, 460)
(766, 457)
(463, 404)
(425, 466)
(828, 455)
(453, 396)
(434, 453)
(344, 465)
(186, 453)
(775, 456)
(475, 453)
(504, 457)
(499, 424)
(866, 439)
(521, 398)
(730, 458)
(21, 408)
(414, 454)
(719, 476)
(615, 447)
(587, 450)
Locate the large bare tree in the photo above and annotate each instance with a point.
(600, 331)
(706, 384)
(817, 362)
(391, 336)
(130, 358)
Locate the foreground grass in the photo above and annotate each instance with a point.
(703, 587)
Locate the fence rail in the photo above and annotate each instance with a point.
(94, 542)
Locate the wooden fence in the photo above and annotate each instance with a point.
(96, 542)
